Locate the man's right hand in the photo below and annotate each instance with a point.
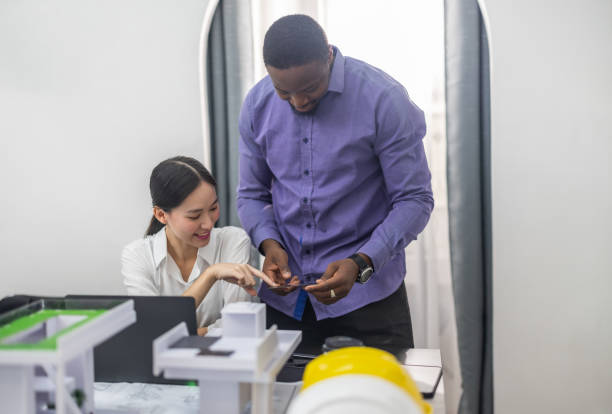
(276, 266)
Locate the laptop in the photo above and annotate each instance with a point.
(128, 356)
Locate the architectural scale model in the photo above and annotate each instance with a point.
(234, 371)
(46, 353)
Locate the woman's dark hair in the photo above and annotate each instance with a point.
(172, 181)
(294, 40)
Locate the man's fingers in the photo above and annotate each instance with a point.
(334, 284)
(263, 276)
(329, 273)
(283, 290)
(276, 268)
(294, 281)
(339, 292)
(285, 273)
(326, 281)
(327, 300)
(274, 276)
(324, 286)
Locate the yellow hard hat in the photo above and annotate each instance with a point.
(363, 361)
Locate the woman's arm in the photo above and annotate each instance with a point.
(240, 274)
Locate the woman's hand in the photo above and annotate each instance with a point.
(242, 275)
(239, 274)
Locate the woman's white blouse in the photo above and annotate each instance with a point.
(148, 269)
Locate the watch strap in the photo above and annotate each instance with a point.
(360, 262)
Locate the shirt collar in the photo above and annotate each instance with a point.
(336, 80)
(160, 247)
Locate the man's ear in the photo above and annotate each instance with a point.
(160, 215)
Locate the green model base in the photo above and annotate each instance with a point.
(28, 321)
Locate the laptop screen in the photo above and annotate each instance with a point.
(128, 356)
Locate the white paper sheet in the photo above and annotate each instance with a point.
(139, 398)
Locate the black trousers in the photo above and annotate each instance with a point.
(384, 324)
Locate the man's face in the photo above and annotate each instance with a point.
(301, 86)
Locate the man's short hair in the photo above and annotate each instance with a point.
(294, 40)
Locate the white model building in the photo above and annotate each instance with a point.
(233, 370)
(46, 353)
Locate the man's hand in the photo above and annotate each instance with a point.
(339, 276)
(276, 265)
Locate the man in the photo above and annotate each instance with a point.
(334, 184)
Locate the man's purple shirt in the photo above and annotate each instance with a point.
(350, 177)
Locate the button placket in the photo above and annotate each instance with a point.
(307, 188)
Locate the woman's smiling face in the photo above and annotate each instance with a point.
(192, 221)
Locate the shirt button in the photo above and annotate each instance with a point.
(306, 172)
(307, 251)
(308, 225)
(305, 200)
(305, 140)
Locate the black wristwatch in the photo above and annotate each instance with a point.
(365, 270)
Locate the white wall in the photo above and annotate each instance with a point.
(92, 95)
(552, 205)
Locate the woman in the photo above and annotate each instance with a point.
(182, 252)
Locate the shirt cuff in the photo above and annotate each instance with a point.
(377, 251)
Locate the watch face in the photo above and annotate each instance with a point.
(365, 275)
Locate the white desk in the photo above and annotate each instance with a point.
(417, 358)
(124, 398)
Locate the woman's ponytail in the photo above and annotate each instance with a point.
(154, 226)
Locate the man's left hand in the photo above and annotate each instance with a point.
(336, 282)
